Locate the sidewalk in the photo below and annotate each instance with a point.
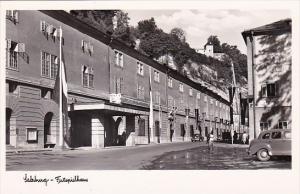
(11, 150)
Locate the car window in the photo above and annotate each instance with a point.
(276, 135)
(266, 136)
(287, 135)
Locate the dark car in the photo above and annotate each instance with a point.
(197, 137)
(271, 143)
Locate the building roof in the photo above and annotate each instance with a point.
(275, 28)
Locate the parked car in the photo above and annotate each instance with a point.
(271, 143)
(197, 137)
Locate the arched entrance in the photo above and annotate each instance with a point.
(8, 117)
(47, 129)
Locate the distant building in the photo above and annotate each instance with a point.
(269, 76)
(209, 51)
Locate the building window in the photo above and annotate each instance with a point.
(12, 50)
(87, 47)
(140, 68)
(118, 85)
(264, 125)
(140, 92)
(157, 97)
(170, 82)
(282, 124)
(156, 76)
(141, 124)
(198, 96)
(49, 65)
(181, 103)
(49, 30)
(12, 15)
(180, 87)
(216, 103)
(205, 98)
(211, 101)
(118, 59)
(191, 92)
(11, 59)
(170, 101)
(87, 76)
(268, 90)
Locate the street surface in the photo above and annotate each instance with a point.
(175, 156)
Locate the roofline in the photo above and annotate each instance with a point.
(72, 21)
(285, 27)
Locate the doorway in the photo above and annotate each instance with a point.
(47, 129)
(8, 117)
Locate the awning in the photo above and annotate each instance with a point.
(107, 108)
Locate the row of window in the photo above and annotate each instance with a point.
(267, 125)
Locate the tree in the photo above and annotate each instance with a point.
(179, 33)
(103, 20)
(146, 27)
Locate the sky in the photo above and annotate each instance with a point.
(200, 24)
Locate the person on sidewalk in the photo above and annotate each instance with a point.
(244, 137)
(210, 141)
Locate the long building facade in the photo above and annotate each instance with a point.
(109, 88)
(269, 76)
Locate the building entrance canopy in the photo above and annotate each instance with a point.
(107, 108)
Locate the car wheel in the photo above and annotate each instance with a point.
(263, 155)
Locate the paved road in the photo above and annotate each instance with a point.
(163, 156)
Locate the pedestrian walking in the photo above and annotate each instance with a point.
(244, 137)
(210, 141)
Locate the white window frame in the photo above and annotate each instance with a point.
(156, 76)
(140, 68)
(157, 97)
(52, 66)
(140, 92)
(264, 90)
(118, 58)
(90, 79)
(181, 87)
(191, 91)
(170, 82)
(282, 123)
(12, 15)
(264, 126)
(198, 95)
(12, 56)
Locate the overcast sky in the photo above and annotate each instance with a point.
(200, 24)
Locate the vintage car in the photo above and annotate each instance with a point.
(275, 142)
(197, 137)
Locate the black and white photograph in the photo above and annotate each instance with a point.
(123, 89)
